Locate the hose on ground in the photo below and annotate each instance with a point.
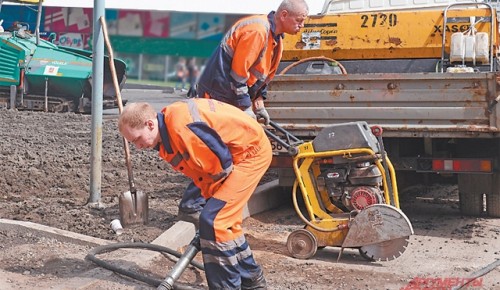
(481, 272)
(151, 281)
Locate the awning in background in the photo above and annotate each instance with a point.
(200, 6)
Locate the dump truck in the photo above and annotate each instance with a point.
(36, 74)
(426, 74)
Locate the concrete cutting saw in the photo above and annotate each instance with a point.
(349, 191)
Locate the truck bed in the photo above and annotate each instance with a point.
(405, 105)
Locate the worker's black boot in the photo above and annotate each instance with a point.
(258, 283)
(192, 217)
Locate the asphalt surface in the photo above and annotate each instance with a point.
(158, 97)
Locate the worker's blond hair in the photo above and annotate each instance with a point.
(135, 115)
(293, 6)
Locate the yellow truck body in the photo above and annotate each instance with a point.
(383, 35)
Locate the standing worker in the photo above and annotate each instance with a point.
(240, 68)
(248, 57)
(198, 138)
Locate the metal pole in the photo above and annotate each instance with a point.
(46, 98)
(139, 77)
(38, 20)
(13, 93)
(97, 99)
(165, 72)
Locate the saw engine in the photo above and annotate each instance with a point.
(349, 191)
(352, 187)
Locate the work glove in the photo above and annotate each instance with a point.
(262, 113)
(250, 112)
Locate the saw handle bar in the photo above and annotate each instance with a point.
(290, 141)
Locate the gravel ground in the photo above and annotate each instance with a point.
(45, 165)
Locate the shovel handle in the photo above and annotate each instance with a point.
(112, 63)
(128, 161)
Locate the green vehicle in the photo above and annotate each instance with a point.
(36, 74)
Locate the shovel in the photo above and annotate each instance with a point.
(133, 204)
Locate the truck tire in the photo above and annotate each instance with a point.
(493, 205)
(471, 204)
(471, 188)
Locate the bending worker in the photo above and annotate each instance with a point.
(198, 138)
(240, 68)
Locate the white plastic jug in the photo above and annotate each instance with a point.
(482, 47)
(469, 46)
(457, 49)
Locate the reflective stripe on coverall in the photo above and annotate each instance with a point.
(236, 76)
(225, 152)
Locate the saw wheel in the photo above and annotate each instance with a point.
(387, 251)
(302, 244)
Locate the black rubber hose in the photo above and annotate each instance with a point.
(151, 281)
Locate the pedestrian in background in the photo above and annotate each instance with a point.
(203, 139)
(181, 74)
(193, 71)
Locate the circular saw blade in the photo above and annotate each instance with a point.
(387, 250)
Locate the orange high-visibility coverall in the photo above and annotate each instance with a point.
(225, 152)
(238, 72)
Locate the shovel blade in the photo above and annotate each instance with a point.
(134, 208)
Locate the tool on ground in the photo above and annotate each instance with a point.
(350, 199)
(133, 204)
(181, 265)
(479, 273)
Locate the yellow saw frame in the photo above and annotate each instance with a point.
(328, 225)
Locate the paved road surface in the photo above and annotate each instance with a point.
(156, 97)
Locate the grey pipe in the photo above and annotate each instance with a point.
(181, 265)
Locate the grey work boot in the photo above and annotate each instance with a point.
(258, 283)
(190, 217)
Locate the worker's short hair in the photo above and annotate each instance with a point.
(135, 115)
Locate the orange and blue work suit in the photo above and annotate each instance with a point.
(244, 63)
(225, 152)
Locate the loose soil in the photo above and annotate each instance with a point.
(45, 165)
